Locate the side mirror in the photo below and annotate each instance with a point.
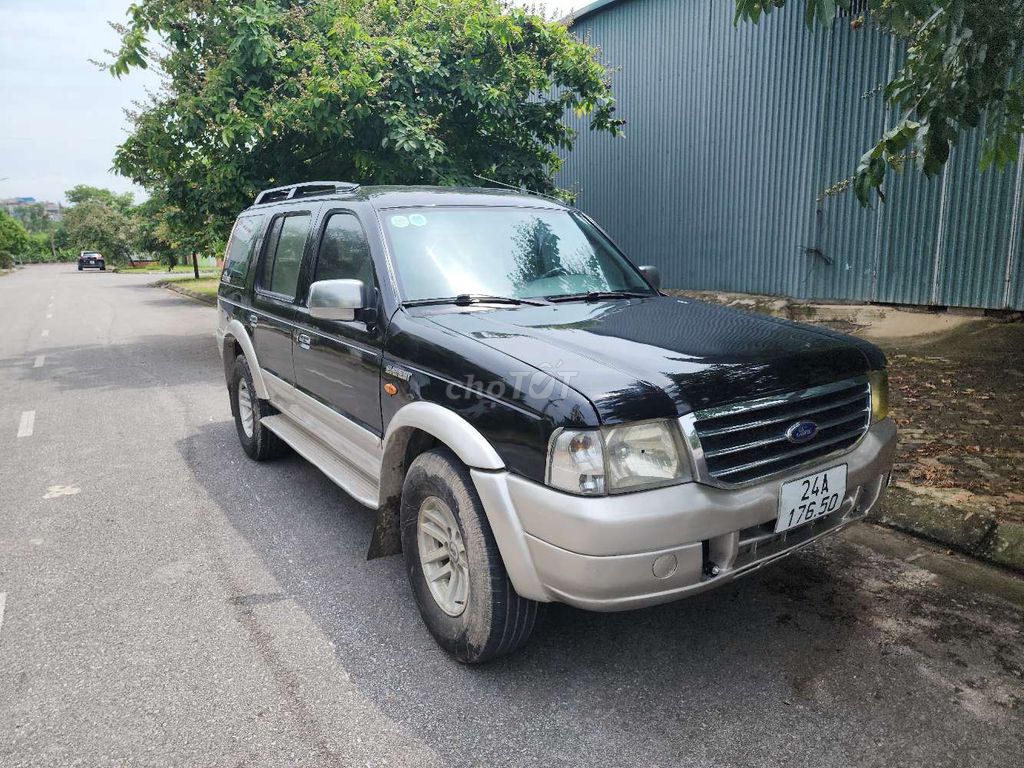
(653, 276)
(336, 299)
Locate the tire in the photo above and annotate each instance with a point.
(257, 441)
(491, 620)
(79, 267)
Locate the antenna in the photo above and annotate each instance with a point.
(521, 189)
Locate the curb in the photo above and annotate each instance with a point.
(173, 286)
(826, 311)
(977, 534)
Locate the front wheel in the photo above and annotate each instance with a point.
(458, 578)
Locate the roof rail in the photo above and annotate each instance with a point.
(307, 189)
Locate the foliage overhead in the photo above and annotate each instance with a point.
(377, 91)
(963, 68)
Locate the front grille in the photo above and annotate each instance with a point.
(747, 441)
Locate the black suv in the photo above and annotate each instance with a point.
(531, 419)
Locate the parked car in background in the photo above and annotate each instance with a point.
(91, 260)
(531, 419)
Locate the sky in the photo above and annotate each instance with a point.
(61, 117)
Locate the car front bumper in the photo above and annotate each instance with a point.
(638, 549)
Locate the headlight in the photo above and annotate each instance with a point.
(879, 383)
(615, 459)
(576, 462)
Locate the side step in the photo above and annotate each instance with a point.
(354, 482)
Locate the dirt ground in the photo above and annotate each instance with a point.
(957, 399)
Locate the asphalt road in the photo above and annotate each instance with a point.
(167, 601)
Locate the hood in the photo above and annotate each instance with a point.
(660, 356)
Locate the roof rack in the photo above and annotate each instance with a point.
(308, 189)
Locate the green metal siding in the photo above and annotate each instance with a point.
(732, 134)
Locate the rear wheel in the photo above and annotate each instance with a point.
(456, 572)
(249, 410)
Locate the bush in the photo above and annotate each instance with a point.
(6, 260)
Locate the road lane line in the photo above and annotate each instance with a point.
(3, 606)
(27, 424)
(46, 332)
(39, 361)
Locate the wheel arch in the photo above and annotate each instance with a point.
(235, 338)
(416, 428)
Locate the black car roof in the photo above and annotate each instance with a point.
(424, 196)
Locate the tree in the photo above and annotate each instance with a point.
(34, 218)
(963, 69)
(14, 239)
(378, 91)
(95, 226)
(84, 193)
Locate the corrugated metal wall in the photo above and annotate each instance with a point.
(734, 132)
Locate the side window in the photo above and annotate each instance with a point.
(282, 260)
(240, 249)
(344, 252)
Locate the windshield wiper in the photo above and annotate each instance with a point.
(599, 295)
(465, 299)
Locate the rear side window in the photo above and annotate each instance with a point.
(286, 243)
(240, 249)
(344, 252)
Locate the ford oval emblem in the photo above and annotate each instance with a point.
(801, 432)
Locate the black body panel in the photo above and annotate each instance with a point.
(661, 357)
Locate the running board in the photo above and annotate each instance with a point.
(355, 483)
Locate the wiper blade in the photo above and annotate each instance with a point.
(465, 299)
(598, 296)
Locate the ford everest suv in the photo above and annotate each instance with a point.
(529, 418)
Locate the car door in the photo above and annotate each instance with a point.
(337, 363)
(273, 314)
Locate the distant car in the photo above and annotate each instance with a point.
(91, 260)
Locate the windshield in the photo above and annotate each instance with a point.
(494, 251)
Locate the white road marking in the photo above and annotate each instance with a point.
(3, 606)
(27, 424)
(39, 361)
(49, 316)
(46, 332)
(55, 491)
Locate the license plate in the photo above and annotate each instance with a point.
(809, 498)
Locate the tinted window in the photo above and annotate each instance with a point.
(344, 251)
(285, 245)
(240, 249)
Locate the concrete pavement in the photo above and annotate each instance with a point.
(169, 602)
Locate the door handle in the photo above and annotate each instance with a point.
(254, 319)
(304, 340)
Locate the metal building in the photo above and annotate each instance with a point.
(734, 132)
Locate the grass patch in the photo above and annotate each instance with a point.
(162, 268)
(205, 286)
